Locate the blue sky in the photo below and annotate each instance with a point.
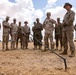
(12, 0)
(39, 4)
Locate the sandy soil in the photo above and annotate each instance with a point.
(35, 62)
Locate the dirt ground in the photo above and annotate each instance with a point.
(35, 62)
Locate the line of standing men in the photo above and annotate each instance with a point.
(16, 32)
(48, 25)
(63, 32)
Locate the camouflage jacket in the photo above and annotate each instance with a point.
(19, 30)
(68, 21)
(25, 30)
(6, 27)
(37, 28)
(75, 27)
(48, 25)
(58, 29)
(13, 29)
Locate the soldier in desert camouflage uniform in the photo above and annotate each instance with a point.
(48, 26)
(0, 28)
(37, 34)
(13, 32)
(25, 32)
(0, 25)
(68, 29)
(75, 32)
(19, 35)
(6, 29)
(34, 40)
(58, 34)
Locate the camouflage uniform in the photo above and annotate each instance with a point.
(75, 31)
(25, 32)
(58, 35)
(0, 25)
(6, 30)
(19, 36)
(34, 40)
(48, 26)
(75, 27)
(13, 35)
(38, 35)
(68, 31)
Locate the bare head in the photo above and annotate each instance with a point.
(19, 23)
(34, 23)
(58, 20)
(37, 20)
(7, 18)
(14, 20)
(48, 14)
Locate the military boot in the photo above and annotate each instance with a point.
(52, 46)
(40, 47)
(60, 49)
(21, 47)
(64, 52)
(24, 48)
(3, 48)
(13, 47)
(16, 45)
(72, 54)
(56, 48)
(7, 48)
(35, 48)
(45, 49)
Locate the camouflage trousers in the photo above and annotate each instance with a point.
(58, 39)
(47, 37)
(75, 34)
(21, 41)
(67, 37)
(39, 38)
(25, 41)
(13, 40)
(5, 41)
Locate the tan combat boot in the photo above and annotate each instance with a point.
(35, 48)
(72, 54)
(40, 47)
(3, 48)
(7, 49)
(60, 49)
(52, 46)
(56, 48)
(64, 52)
